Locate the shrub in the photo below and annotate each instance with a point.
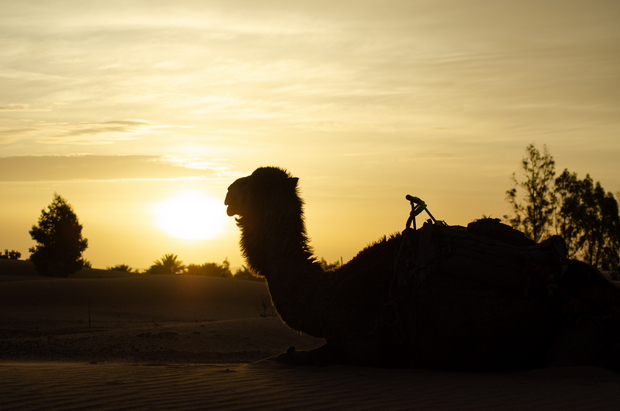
(211, 269)
(122, 267)
(11, 255)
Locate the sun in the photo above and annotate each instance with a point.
(191, 215)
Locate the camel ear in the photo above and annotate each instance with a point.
(293, 181)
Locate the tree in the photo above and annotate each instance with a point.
(122, 267)
(330, 266)
(60, 245)
(580, 211)
(589, 220)
(534, 213)
(244, 273)
(11, 255)
(211, 269)
(169, 264)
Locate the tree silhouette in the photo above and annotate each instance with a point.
(580, 211)
(60, 245)
(11, 255)
(589, 220)
(329, 266)
(122, 267)
(534, 213)
(244, 273)
(169, 264)
(211, 269)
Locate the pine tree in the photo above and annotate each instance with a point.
(60, 245)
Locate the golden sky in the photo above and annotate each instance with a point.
(122, 106)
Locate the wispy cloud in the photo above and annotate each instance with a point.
(83, 133)
(21, 107)
(100, 133)
(29, 75)
(10, 135)
(196, 163)
(345, 76)
(107, 168)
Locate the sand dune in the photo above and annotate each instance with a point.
(106, 317)
(269, 386)
(183, 342)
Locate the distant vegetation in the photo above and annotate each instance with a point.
(11, 255)
(211, 269)
(244, 273)
(330, 266)
(122, 267)
(169, 264)
(59, 248)
(580, 211)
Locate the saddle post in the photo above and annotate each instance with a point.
(417, 206)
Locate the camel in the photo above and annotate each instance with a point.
(481, 297)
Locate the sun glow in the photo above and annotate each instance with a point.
(191, 215)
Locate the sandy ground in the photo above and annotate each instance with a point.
(107, 341)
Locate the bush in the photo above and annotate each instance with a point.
(122, 267)
(11, 255)
(330, 266)
(211, 269)
(244, 274)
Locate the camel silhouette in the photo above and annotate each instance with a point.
(481, 297)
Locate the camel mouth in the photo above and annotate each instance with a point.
(230, 212)
(229, 208)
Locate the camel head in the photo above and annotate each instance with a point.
(266, 191)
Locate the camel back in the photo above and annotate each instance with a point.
(486, 252)
(473, 289)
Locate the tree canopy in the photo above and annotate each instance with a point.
(581, 211)
(122, 267)
(534, 213)
(588, 219)
(59, 248)
(211, 269)
(168, 264)
(11, 255)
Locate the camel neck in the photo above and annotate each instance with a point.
(278, 250)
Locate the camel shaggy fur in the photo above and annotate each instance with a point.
(481, 297)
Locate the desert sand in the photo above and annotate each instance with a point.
(104, 340)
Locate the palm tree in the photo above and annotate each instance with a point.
(122, 267)
(169, 264)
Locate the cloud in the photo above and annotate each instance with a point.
(13, 134)
(106, 168)
(86, 133)
(21, 107)
(28, 75)
(196, 163)
(100, 133)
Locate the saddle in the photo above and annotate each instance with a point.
(486, 252)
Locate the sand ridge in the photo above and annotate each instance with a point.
(268, 385)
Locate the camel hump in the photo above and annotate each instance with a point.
(493, 228)
(486, 252)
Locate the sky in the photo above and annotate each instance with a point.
(132, 109)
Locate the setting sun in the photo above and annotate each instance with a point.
(191, 215)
